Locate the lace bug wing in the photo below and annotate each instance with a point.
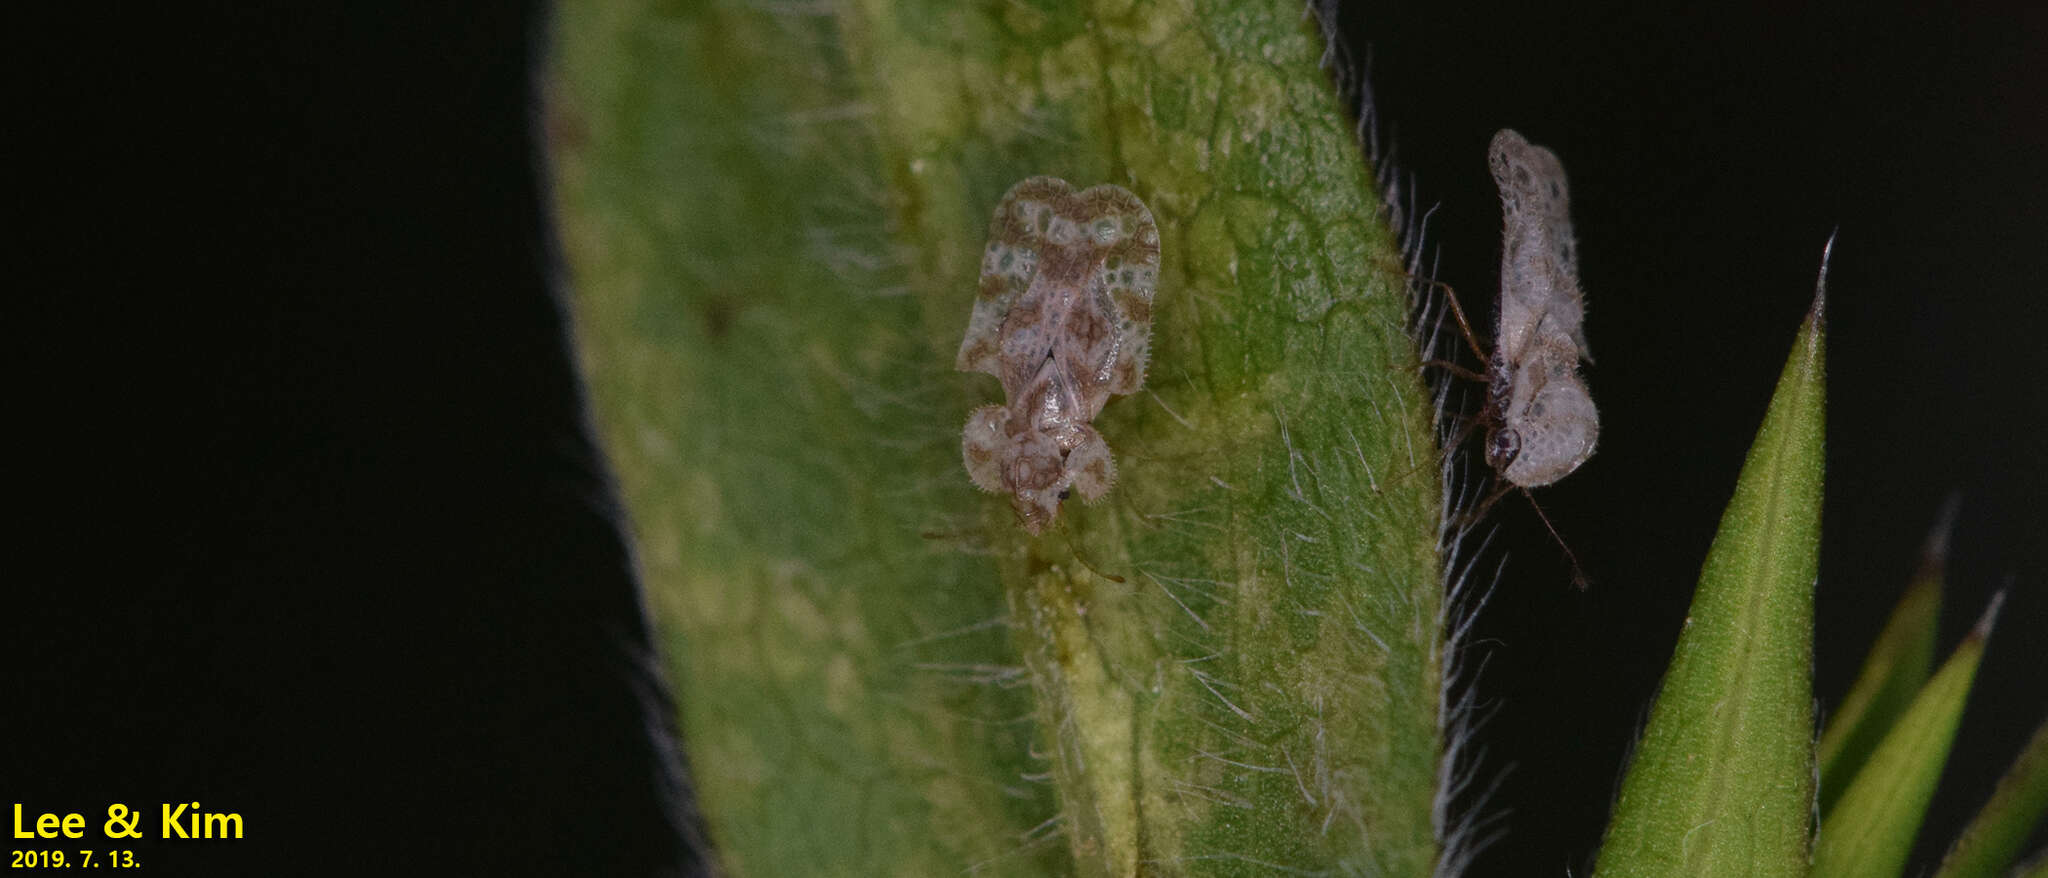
(1010, 262)
(1539, 263)
(1124, 259)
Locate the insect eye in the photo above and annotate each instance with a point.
(1065, 493)
(1502, 448)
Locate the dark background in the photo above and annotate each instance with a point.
(312, 532)
(1711, 153)
(315, 534)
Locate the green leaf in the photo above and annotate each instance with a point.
(1898, 664)
(775, 212)
(1991, 842)
(1722, 781)
(1870, 831)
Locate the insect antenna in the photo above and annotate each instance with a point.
(1472, 516)
(1579, 578)
(1076, 550)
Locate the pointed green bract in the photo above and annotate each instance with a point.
(775, 215)
(1992, 841)
(1871, 830)
(1722, 781)
(1898, 664)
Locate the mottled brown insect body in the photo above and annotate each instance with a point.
(1063, 317)
(1541, 419)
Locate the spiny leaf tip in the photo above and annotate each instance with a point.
(1982, 629)
(1820, 287)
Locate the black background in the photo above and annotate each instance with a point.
(327, 545)
(312, 532)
